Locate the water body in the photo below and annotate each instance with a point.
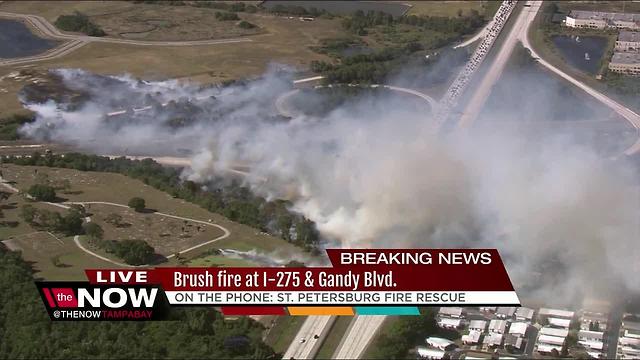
(16, 40)
(345, 7)
(573, 51)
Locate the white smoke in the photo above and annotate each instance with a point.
(372, 173)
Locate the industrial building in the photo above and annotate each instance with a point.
(602, 20)
(628, 41)
(625, 63)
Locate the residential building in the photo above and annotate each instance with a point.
(439, 343)
(498, 326)
(602, 20)
(472, 338)
(593, 340)
(514, 341)
(628, 41)
(490, 309)
(426, 353)
(478, 325)
(453, 312)
(518, 328)
(561, 323)
(448, 323)
(493, 340)
(625, 63)
(565, 314)
(554, 332)
(505, 312)
(524, 314)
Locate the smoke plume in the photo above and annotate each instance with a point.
(373, 173)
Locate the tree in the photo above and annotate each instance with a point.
(137, 203)
(133, 252)
(94, 231)
(71, 224)
(246, 25)
(42, 192)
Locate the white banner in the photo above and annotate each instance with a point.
(340, 298)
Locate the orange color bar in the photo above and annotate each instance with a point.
(321, 310)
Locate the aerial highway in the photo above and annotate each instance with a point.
(74, 42)
(310, 337)
(352, 347)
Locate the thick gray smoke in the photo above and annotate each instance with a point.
(373, 173)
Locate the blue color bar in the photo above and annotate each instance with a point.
(387, 310)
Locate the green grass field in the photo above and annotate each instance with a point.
(337, 332)
(283, 331)
(40, 248)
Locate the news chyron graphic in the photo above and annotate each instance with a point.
(364, 280)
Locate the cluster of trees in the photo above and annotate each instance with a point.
(234, 201)
(42, 192)
(132, 252)
(195, 333)
(9, 126)
(226, 16)
(78, 22)
(407, 332)
(359, 22)
(69, 224)
(364, 68)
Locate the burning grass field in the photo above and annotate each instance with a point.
(60, 258)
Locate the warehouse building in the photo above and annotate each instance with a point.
(628, 41)
(625, 63)
(602, 20)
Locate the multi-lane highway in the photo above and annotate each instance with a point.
(74, 42)
(352, 347)
(310, 337)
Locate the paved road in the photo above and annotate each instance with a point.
(313, 326)
(74, 42)
(76, 239)
(631, 116)
(285, 110)
(482, 92)
(358, 336)
(481, 34)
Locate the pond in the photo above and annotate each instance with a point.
(573, 48)
(16, 40)
(345, 7)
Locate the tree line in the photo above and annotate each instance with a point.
(195, 333)
(78, 22)
(234, 201)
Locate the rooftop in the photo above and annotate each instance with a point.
(552, 340)
(477, 324)
(554, 332)
(524, 312)
(556, 313)
(630, 36)
(518, 328)
(625, 58)
(598, 15)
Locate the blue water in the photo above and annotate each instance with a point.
(16, 40)
(573, 51)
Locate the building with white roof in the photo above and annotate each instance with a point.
(590, 320)
(478, 325)
(454, 312)
(498, 326)
(625, 63)
(472, 338)
(524, 314)
(554, 332)
(513, 341)
(518, 328)
(439, 343)
(591, 339)
(493, 340)
(565, 314)
(557, 322)
(426, 353)
(628, 41)
(505, 312)
(448, 323)
(488, 308)
(547, 348)
(551, 340)
(602, 20)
